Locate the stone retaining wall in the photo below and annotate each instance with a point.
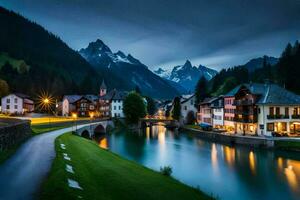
(13, 133)
(229, 139)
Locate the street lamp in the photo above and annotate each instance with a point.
(74, 116)
(91, 118)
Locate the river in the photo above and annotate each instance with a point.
(230, 173)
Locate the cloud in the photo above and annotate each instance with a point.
(161, 33)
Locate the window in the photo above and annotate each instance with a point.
(7, 100)
(115, 107)
(119, 107)
(286, 111)
(277, 110)
(271, 111)
(258, 110)
(7, 107)
(16, 100)
(185, 107)
(270, 127)
(16, 107)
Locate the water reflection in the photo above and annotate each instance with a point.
(227, 171)
(229, 154)
(252, 162)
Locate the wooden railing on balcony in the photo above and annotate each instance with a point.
(243, 102)
(278, 116)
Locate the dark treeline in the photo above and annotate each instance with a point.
(54, 67)
(286, 73)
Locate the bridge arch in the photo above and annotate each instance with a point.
(86, 134)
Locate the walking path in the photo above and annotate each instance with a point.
(22, 175)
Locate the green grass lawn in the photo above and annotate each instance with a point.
(105, 175)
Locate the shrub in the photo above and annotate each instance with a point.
(166, 170)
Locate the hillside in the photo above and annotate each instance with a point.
(127, 69)
(54, 67)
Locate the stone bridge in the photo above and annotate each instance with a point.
(100, 127)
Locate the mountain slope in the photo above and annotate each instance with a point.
(128, 69)
(257, 63)
(186, 75)
(54, 67)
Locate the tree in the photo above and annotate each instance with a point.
(176, 109)
(190, 118)
(4, 88)
(134, 108)
(201, 90)
(151, 107)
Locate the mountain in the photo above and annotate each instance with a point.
(46, 62)
(127, 69)
(186, 75)
(257, 63)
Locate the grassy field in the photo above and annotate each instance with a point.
(104, 175)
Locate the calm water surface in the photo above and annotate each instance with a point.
(231, 173)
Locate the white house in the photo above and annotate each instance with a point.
(16, 103)
(117, 104)
(218, 112)
(187, 105)
(278, 112)
(68, 104)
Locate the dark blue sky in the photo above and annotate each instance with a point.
(167, 32)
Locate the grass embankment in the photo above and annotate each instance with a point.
(104, 175)
(193, 126)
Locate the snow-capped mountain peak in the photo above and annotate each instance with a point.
(186, 75)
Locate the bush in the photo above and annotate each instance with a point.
(166, 170)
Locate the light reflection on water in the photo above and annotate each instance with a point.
(231, 173)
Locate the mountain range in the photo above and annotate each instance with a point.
(127, 69)
(186, 75)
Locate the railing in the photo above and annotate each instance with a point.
(241, 112)
(245, 120)
(279, 117)
(295, 116)
(243, 102)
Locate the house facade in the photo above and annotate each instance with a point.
(16, 103)
(205, 114)
(217, 107)
(278, 112)
(82, 105)
(187, 103)
(117, 104)
(229, 110)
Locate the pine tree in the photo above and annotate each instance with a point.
(176, 114)
(201, 90)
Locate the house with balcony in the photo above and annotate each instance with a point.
(217, 107)
(205, 114)
(263, 110)
(278, 112)
(82, 105)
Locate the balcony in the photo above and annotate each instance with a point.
(278, 116)
(245, 120)
(295, 116)
(243, 103)
(243, 112)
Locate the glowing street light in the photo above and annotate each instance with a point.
(74, 116)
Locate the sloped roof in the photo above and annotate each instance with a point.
(269, 94)
(119, 95)
(108, 96)
(275, 94)
(185, 98)
(103, 86)
(209, 100)
(72, 98)
(92, 97)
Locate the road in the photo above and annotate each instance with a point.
(22, 175)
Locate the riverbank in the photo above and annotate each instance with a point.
(292, 144)
(105, 175)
